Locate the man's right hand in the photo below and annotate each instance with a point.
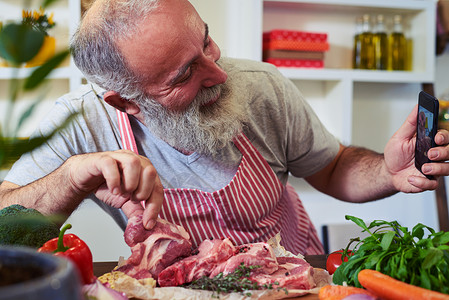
(121, 179)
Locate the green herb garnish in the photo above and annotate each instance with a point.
(393, 250)
(237, 281)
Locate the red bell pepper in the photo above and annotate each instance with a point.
(75, 249)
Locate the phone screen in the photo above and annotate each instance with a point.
(424, 139)
(426, 128)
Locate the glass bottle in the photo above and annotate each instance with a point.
(367, 60)
(397, 46)
(356, 54)
(380, 40)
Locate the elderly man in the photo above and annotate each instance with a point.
(204, 142)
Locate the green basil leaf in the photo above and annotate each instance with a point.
(357, 221)
(387, 239)
(441, 238)
(418, 231)
(425, 280)
(433, 256)
(373, 259)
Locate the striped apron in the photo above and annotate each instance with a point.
(253, 207)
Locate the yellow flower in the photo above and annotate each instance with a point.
(50, 19)
(26, 14)
(38, 19)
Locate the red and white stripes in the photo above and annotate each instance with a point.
(253, 207)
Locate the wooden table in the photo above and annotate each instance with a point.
(317, 261)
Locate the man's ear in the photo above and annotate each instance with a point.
(113, 98)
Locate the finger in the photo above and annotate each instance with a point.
(153, 205)
(111, 173)
(131, 209)
(151, 193)
(438, 153)
(421, 183)
(131, 170)
(147, 179)
(436, 169)
(408, 128)
(442, 137)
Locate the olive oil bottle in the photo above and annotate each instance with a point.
(356, 53)
(367, 60)
(380, 41)
(397, 46)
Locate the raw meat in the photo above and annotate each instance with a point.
(256, 254)
(165, 254)
(210, 254)
(154, 250)
(293, 273)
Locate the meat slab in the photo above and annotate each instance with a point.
(154, 250)
(164, 253)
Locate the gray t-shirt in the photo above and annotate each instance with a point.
(281, 125)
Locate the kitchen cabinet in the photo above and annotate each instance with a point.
(331, 90)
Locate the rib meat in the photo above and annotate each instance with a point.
(293, 273)
(154, 250)
(210, 254)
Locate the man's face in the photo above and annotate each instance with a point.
(175, 56)
(187, 102)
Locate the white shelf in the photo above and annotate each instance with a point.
(21, 73)
(67, 16)
(355, 75)
(330, 90)
(405, 5)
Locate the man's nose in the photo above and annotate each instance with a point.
(214, 75)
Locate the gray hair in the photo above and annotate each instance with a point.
(94, 45)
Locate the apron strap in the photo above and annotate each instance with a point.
(126, 132)
(127, 135)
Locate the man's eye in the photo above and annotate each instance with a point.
(207, 42)
(186, 76)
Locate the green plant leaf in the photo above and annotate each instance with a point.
(19, 43)
(26, 114)
(387, 239)
(357, 221)
(441, 238)
(39, 75)
(433, 256)
(418, 231)
(13, 148)
(47, 3)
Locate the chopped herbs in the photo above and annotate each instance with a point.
(393, 250)
(237, 281)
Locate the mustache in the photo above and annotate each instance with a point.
(199, 128)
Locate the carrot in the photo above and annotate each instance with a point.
(338, 292)
(387, 287)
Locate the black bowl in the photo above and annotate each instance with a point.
(26, 274)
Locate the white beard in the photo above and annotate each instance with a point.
(202, 129)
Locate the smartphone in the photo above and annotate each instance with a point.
(426, 129)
